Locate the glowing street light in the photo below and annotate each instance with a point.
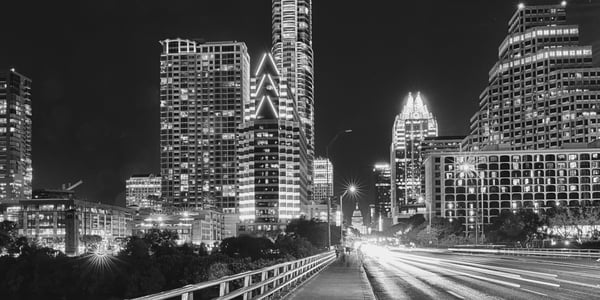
(469, 169)
(329, 198)
(352, 190)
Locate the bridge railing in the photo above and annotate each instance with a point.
(258, 284)
(549, 252)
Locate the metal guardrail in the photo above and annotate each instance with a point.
(258, 284)
(549, 252)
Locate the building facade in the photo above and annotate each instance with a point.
(16, 171)
(411, 127)
(191, 225)
(63, 223)
(323, 179)
(203, 86)
(442, 144)
(143, 191)
(272, 154)
(319, 211)
(383, 191)
(475, 187)
(543, 92)
(293, 54)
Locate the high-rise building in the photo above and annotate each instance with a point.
(16, 171)
(293, 54)
(143, 191)
(272, 150)
(203, 86)
(411, 127)
(323, 179)
(383, 190)
(543, 91)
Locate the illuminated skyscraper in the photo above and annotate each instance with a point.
(543, 92)
(323, 179)
(411, 127)
(383, 190)
(293, 54)
(203, 86)
(16, 172)
(272, 154)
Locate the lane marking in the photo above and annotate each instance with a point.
(455, 294)
(579, 283)
(538, 293)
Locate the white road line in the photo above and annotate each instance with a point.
(578, 283)
(455, 294)
(538, 293)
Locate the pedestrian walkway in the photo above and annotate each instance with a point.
(343, 279)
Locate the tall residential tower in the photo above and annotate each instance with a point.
(293, 54)
(203, 86)
(411, 127)
(543, 92)
(16, 172)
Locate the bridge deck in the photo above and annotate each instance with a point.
(343, 279)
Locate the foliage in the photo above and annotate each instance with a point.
(8, 234)
(295, 246)
(441, 232)
(571, 222)
(514, 227)
(248, 246)
(313, 231)
(147, 264)
(91, 242)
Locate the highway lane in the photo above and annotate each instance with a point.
(430, 275)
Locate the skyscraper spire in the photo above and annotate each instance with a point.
(411, 127)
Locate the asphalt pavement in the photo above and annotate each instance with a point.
(404, 274)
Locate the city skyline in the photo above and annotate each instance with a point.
(75, 136)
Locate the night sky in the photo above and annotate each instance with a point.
(95, 72)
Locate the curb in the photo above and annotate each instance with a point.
(363, 271)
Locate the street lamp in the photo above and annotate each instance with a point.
(352, 190)
(470, 168)
(327, 178)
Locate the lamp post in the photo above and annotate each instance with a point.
(327, 178)
(470, 168)
(351, 189)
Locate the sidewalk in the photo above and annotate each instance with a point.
(343, 279)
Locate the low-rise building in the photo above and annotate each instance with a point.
(64, 223)
(195, 226)
(475, 187)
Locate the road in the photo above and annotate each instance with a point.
(396, 274)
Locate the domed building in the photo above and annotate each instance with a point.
(357, 220)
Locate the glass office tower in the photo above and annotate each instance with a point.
(272, 151)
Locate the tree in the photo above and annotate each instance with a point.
(295, 246)
(573, 222)
(247, 246)
(312, 230)
(91, 241)
(8, 234)
(512, 227)
(161, 241)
